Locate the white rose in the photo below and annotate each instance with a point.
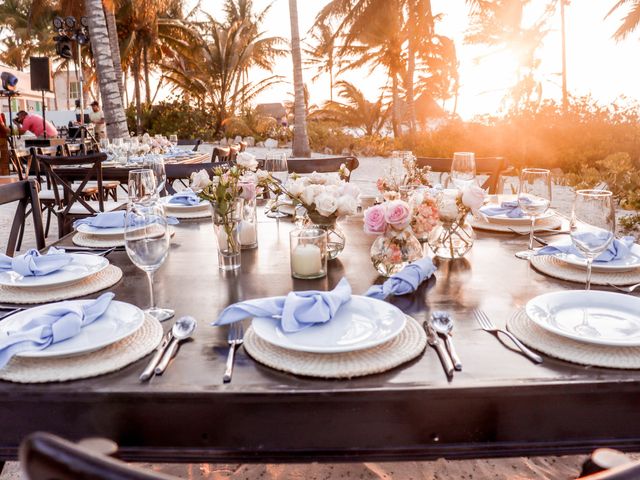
(199, 180)
(347, 205)
(333, 190)
(296, 187)
(473, 197)
(447, 204)
(262, 174)
(309, 194)
(317, 178)
(247, 160)
(326, 204)
(350, 189)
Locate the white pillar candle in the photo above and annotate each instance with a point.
(306, 260)
(248, 234)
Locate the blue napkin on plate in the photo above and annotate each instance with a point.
(405, 281)
(33, 263)
(296, 311)
(103, 220)
(186, 197)
(59, 322)
(617, 250)
(511, 209)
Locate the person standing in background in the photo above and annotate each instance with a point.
(97, 118)
(5, 133)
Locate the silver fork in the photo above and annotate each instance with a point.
(625, 289)
(234, 339)
(487, 325)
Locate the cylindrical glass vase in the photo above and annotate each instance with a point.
(336, 238)
(226, 225)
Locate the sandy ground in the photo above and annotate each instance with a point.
(538, 468)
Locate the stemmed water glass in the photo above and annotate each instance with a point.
(174, 140)
(534, 198)
(146, 239)
(276, 164)
(463, 169)
(593, 224)
(155, 163)
(142, 186)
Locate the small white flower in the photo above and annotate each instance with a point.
(199, 180)
(326, 204)
(350, 189)
(347, 205)
(262, 174)
(296, 187)
(247, 160)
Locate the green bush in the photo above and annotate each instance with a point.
(174, 117)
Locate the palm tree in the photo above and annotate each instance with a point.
(321, 53)
(631, 20)
(109, 89)
(300, 137)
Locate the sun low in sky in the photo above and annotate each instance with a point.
(596, 64)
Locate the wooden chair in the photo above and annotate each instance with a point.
(221, 154)
(196, 143)
(491, 166)
(21, 162)
(322, 165)
(233, 153)
(47, 457)
(73, 203)
(26, 194)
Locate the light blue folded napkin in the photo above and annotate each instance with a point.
(511, 209)
(186, 197)
(617, 250)
(103, 220)
(32, 263)
(405, 281)
(296, 311)
(57, 323)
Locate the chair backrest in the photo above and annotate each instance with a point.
(233, 153)
(47, 457)
(196, 143)
(322, 165)
(73, 192)
(21, 161)
(242, 145)
(26, 194)
(221, 154)
(491, 166)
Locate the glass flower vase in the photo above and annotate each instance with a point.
(451, 239)
(249, 220)
(336, 238)
(392, 251)
(226, 226)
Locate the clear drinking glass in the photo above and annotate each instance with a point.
(593, 224)
(174, 140)
(463, 169)
(142, 186)
(276, 164)
(155, 163)
(146, 239)
(534, 198)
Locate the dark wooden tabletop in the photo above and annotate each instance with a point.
(500, 404)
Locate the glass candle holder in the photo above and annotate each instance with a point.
(308, 253)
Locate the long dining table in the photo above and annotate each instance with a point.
(500, 404)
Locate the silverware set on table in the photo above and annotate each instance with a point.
(439, 336)
(181, 330)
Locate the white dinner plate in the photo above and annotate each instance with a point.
(203, 205)
(101, 232)
(118, 322)
(604, 318)
(360, 323)
(82, 266)
(502, 219)
(631, 262)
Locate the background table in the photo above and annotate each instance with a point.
(499, 405)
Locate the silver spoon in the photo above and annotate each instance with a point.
(181, 330)
(625, 289)
(443, 324)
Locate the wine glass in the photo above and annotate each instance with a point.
(463, 169)
(155, 163)
(142, 186)
(174, 140)
(146, 240)
(593, 224)
(276, 164)
(534, 198)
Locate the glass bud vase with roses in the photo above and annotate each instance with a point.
(453, 237)
(326, 197)
(396, 245)
(224, 192)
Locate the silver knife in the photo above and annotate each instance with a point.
(435, 342)
(148, 371)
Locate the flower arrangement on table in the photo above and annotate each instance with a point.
(410, 175)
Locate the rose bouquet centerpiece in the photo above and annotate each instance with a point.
(453, 237)
(396, 245)
(225, 193)
(325, 197)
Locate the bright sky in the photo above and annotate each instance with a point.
(595, 63)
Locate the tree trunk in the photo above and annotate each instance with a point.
(135, 71)
(411, 67)
(300, 138)
(147, 84)
(331, 79)
(111, 100)
(114, 44)
(395, 99)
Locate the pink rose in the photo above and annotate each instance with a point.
(398, 214)
(374, 221)
(248, 191)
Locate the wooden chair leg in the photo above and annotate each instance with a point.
(48, 224)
